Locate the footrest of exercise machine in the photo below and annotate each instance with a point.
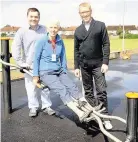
(88, 119)
(91, 117)
(81, 103)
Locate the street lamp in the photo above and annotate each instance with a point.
(123, 41)
(124, 55)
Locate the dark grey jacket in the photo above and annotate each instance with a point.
(92, 46)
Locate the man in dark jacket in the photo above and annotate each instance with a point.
(91, 55)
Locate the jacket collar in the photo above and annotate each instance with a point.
(58, 38)
(90, 28)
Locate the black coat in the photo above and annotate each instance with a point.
(91, 46)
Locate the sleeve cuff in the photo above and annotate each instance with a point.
(76, 67)
(106, 61)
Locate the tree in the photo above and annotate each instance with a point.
(3, 35)
(8, 26)
(119, 31)
(127, 32)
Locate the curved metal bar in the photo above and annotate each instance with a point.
(88, 119)
(109, 117)
(9, 64)
(94, 115)
(39, 85)
(104, 131)
(13, 65)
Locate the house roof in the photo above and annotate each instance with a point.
(9, 29)
(126, 27)
(72, 28)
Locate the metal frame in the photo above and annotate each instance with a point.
(132, 105)
(95, 115)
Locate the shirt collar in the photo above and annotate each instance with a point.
(87, 23)
(58, 38)
(37, 27)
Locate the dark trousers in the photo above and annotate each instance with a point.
(88, 73)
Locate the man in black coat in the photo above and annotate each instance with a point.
(91, 56)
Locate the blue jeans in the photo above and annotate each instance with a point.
(62, 85)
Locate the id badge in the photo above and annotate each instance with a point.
(53, 57)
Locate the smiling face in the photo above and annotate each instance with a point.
(33, 18)
(85, 12)
(53, 28)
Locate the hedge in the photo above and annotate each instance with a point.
(129, 36)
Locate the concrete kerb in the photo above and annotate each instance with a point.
(114, 55)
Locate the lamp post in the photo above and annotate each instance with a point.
(123, 40)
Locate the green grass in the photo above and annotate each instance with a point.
(130, 44)
(116, 45)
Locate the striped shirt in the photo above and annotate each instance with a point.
(23, 44)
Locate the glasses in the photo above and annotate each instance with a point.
(85, 12)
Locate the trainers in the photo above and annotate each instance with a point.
(33, 112)
(108, 125)
(49, 111)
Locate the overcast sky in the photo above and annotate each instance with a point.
(13, 12)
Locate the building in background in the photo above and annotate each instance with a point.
(9, 30)
(68, 32)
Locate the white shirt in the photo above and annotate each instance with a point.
(87, 25)
(23, 44)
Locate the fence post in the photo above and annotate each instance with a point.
(7, 101)
(132, 117)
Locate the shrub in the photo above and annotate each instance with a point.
(119, 31)
(3, 35)
(129, 36)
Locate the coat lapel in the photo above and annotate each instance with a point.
(84, 31)
(90, 28)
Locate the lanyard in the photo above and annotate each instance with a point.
(53, 42)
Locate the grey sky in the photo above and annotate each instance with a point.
(108, 11)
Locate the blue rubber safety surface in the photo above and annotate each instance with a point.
(121, 78)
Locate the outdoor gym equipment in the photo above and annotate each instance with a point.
(132, 101)
(95, 115)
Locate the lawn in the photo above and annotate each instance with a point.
(116, 45)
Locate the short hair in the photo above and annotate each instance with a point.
(33, 10)
(85, 4)
(53, 20)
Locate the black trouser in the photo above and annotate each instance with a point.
(88, 73)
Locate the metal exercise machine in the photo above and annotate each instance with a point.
(132, 101)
